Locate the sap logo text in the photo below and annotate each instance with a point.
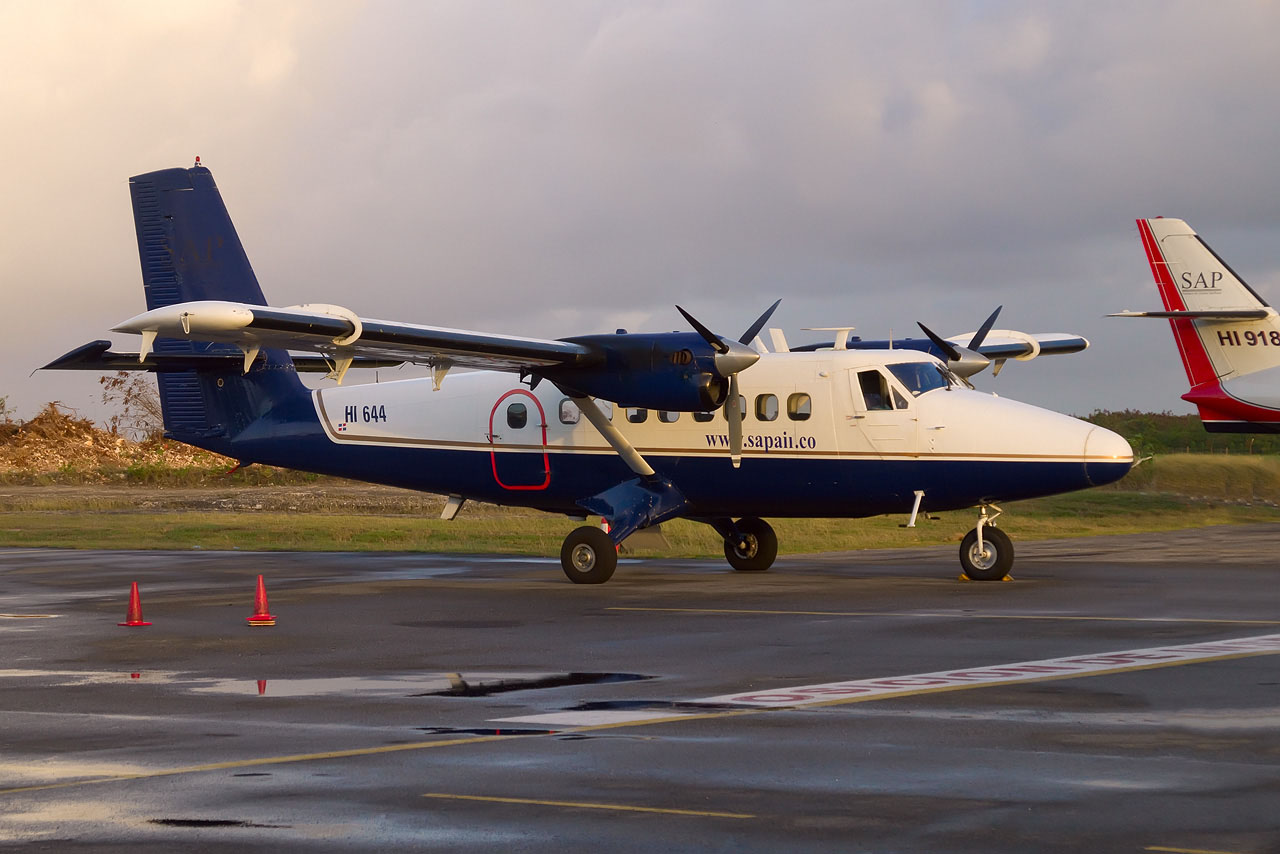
(1202, 282)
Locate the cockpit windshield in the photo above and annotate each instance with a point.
(919, 377)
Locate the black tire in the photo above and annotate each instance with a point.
(993, 563)
(588, 556)
(754, 549)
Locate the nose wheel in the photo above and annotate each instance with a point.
(986, 552)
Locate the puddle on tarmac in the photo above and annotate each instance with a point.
(210, 822)
(449, 730)
(401, 685)
(464, 686)
(469, 684)
(651, 705)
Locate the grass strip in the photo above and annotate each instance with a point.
(523, 532)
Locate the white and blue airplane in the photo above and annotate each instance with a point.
(637, 428)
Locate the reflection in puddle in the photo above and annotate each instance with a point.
(469, 684)
(397, 685)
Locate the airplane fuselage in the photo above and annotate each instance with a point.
(813, 445)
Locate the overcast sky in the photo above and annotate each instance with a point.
(560, 168)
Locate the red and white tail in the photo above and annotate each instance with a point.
(1225, 332)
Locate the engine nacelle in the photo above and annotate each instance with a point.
(674, 371)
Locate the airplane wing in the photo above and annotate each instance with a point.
(339, 334)
(98, 356)
(1010, 344)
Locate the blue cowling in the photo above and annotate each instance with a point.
(673, 371)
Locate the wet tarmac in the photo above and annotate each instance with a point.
(1122, 694)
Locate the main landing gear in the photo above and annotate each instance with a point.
(588, 556)
(986, 552)
(753, 547)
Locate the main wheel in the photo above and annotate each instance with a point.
(992, 561)
(588, 556)
(755, 547)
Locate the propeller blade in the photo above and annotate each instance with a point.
(707, 335)
(943, 344)
(733, 414)
(981, 335)
(759, 324)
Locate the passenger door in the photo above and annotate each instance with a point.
(518, 442)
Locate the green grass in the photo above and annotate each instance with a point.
(518, 532)
(1168, 493)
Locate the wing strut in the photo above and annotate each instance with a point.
(616, 440)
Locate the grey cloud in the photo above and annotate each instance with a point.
(560, 168)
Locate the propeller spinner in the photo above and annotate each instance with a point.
(731, 358)
(964, 361)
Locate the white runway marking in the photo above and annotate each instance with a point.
(945, 680)
(1025, 671)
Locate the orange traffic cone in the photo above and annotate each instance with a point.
(261, 614)
(134, 616)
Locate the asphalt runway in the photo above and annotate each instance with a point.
(1122, 694)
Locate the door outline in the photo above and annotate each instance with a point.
(493, 455)
(893, 431)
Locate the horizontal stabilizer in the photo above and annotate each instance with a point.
(1218, 314)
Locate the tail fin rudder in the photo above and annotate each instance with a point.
(1222, 327)
(190, 251)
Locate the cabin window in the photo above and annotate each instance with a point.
(767, 407)
(668, 417)
(703, 417)
(517, 415)
(636, 415)
(799, 406)
(875, 390)
(742, 408)
(919, 377)
(899, 402)
(569, 412)
(607, 408)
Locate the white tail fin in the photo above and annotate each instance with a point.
(1223, 328)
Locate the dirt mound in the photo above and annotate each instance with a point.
(58, 441)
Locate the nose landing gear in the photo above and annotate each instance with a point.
(986, 552)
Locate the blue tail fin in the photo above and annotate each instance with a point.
(190, 251)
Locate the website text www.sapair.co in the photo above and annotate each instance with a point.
(785, 442)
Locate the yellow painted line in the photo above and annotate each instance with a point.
(953, 616)
(1185, 850)
(587, 806)
(28, 616)
(264, 760)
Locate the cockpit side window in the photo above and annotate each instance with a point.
(919, 377)
(875, 390)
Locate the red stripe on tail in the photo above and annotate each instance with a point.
(1190, 347)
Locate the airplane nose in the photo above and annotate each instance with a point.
(1107, 456)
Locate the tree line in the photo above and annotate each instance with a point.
(1166, 433)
